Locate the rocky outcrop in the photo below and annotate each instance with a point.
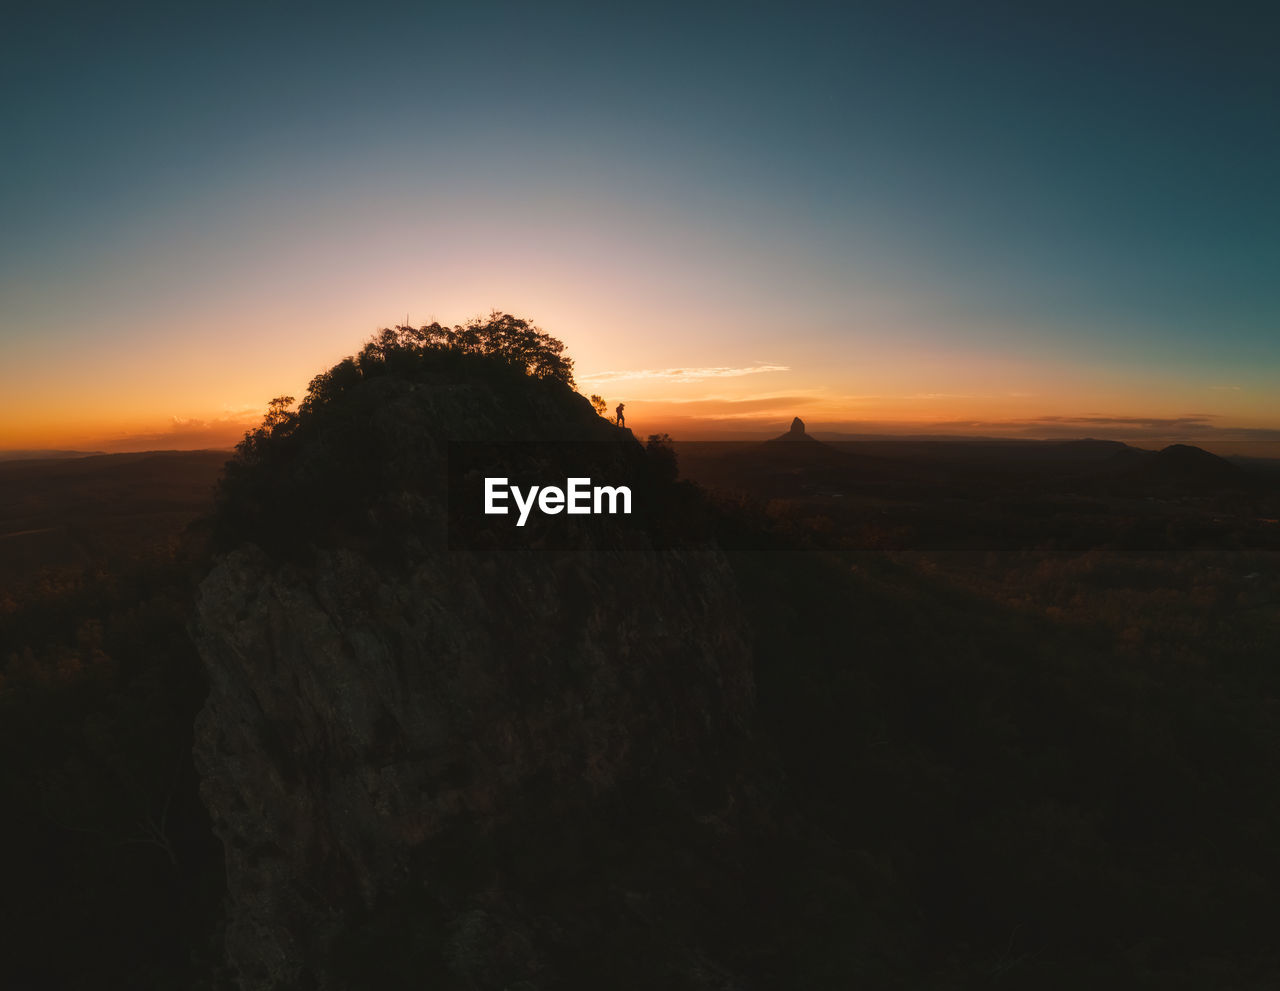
(796, 433)
(367, 709)
(353, 716)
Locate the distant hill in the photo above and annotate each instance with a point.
(794, 465)
(1177, 469)
(43, 455)
(797, 465)
(1186, 461)
(796, 449)
(796, 433)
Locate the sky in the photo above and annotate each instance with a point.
(976, 219)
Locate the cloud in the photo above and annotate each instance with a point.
(1188, 427)
(795, 395)
(187, 433)
(683, 374)
(716, 408)
(1197, 421)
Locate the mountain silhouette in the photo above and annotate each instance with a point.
(1190, 462)
(384, 710)
(796, 433)
(698, 764)
(1176, 469)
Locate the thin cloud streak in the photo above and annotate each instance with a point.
(682, 374)
(717, 409)
(796, 395)
(185, 433)
(1188, 420)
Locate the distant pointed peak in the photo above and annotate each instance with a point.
(797, 432)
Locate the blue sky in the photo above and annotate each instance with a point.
(1062, 211)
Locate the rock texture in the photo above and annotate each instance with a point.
(360, 713)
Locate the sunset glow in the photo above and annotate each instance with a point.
(725, 235)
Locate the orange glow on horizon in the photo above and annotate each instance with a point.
(705, 417)
(205, 387)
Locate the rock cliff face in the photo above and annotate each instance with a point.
(361, 717)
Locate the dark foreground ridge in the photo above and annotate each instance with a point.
(435, 766)
(694, 768)
(765, 758)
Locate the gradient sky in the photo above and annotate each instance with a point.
(968, 218)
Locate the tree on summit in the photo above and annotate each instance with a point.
(408, 350)
(334, 416)
(513, 338)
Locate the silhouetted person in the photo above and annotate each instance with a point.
(622, 420)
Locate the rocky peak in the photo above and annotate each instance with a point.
(362, 717)
(797, 433)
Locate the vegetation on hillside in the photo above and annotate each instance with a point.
(1047, 768)
(366, 436)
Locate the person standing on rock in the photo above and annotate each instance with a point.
(622, 420)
